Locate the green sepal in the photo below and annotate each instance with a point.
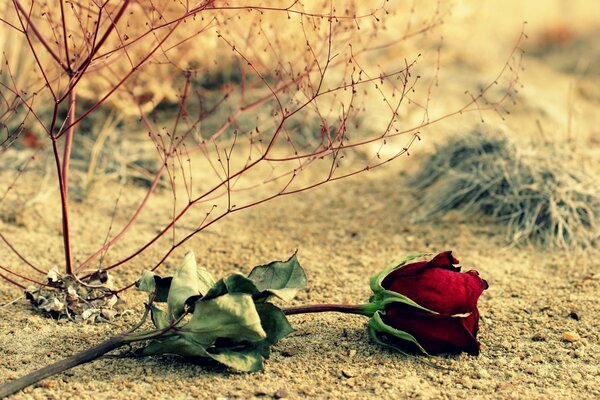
(375, 280)
(377, 327)
(385, 297)
(382, 297)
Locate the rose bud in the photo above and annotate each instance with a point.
(427, 306)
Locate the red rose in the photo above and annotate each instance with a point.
(428, 305)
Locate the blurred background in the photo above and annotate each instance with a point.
(528, 148)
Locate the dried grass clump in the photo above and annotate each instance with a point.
(537, 196)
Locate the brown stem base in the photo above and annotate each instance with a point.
(76, 359)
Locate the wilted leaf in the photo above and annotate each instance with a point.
(235, 283)
(152, 283)
(99, 277)
(146, 282)
(274, 323)
(53, 275)
(108, 314)
(159, 317)
(175, 345)
(280, 278)
(244, 359)
(231, 321)
(189, 280)
(232, 316)
(88, 313)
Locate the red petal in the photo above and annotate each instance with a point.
(437, 286)
(443, 260)
(437, 333)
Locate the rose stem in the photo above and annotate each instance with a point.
(76, 359)
(117, 341)
(361, 309)
(82, 357)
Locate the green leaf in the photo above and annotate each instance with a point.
(231, 316)
(231, 322)
(235, 283)
(175, 345)
(280, 278)
(377, 327)
(275, 324)
(248, 359)
(238, 283)
(152, 283)
(159, 317)
(146, 282)
(189, 280)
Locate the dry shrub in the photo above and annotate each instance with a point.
(536, 196)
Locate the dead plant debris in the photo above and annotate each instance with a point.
(66, 296)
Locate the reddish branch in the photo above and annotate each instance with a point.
(105, 40)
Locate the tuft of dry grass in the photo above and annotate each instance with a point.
(536, 196)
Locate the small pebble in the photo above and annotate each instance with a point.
(571, 337)
(281, 393)
(483, 374)
(466, 382)
(530, 369)
(537, 358)
(347, 373)
(290, 352)
(538, 337)
(574, 315)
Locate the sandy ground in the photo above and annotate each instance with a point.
(539, 328)
(359, 227)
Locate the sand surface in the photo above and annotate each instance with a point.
(539, 330)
